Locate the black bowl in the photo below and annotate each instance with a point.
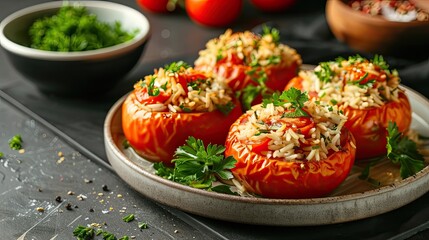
(74, 73)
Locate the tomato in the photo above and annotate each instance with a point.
(213, 13)
(369, 125)
(157, 6)
(273, 5)
(236, 76)
(275, 178)
(156, 135)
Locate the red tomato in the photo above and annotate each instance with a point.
(369, 125)
(273, 5)
(275, 178)
(213, 13)
(156, 6)
(156, 135)
(237, 79)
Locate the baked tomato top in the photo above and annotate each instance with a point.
(251, 64)
(289, 147)
(172, 104)
(367, 92)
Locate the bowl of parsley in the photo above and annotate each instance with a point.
(74, 48)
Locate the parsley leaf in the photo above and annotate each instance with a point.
(83, 233)
(15, 143)
(198, 166)
(142, 225)
(293, 96)
(274, 32)
(379, 61)
(401, 150)
(325, 74)
(176, 66)
(1, 155)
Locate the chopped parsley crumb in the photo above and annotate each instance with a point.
(143, 225)
(128, 218)
(15, 143)
(1, 154)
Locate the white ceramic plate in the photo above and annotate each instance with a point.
(354, 199)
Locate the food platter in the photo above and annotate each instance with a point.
(354, 199)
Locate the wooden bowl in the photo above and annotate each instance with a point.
(375, 34)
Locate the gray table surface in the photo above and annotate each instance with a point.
(51, 124)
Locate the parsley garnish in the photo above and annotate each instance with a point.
(293, 96)
(15, 143)
(274, 32)
(126, 144)
(83, 233)
(1, 154)
(356, 59)
(176, 66)
(198, 166)
(151, 89)
(379, 61)
(325, 74)
(401, 150)
(128, 218)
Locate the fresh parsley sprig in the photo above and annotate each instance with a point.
(84, 233)
(402, 150)
(198, 166)
(293, 96)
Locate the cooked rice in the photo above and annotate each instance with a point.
(288, 143)
(203, 95)
(249, 48)
(340, 89)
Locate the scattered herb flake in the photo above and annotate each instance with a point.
(83, 233)
(128, 218)
(1, 154)
(15, 143)
(274, 32)
(325, 74)
(143, 225)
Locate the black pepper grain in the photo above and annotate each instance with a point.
(69, 207)
(58, 199)
(105, 188)
(91, 210)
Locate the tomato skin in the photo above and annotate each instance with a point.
(273, 5)
(156, 135)
(155, 6)
(369, 125)
(274, 178)
(237, 79)
(213, 13)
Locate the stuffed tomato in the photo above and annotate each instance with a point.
(252, 65)
(176, 102)
(284, 150)
(367, 92)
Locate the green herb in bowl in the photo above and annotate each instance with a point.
(74, 28)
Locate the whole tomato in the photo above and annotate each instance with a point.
(273, 5)
(156, 135)
(213, 13)
(276, 178)
(157, 6)
(369, 125)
